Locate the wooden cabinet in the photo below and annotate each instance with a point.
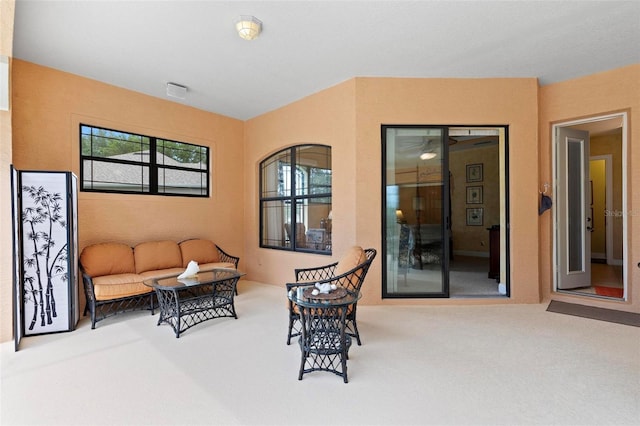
(494, 252)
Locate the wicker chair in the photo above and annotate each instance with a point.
(343, 274)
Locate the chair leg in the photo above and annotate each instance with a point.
(344, 367)
(356, 333)
(290, 329)
(303, 359)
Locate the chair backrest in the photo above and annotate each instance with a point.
(360, 260)
(301, 233)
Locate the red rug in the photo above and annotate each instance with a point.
(609, 291)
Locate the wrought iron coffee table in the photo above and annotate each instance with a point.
(324, 344)
(190, 301)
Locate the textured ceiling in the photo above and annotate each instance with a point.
(307, 46)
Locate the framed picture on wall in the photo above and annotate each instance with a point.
(474, 194)
(474, 172)
(474, 216)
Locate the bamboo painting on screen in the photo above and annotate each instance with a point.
(46, 245)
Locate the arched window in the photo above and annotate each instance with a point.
(295, 199)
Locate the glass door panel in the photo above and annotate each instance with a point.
(575, 205)
(573, 209)
(415, 207)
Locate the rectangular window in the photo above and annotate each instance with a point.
(114, 161)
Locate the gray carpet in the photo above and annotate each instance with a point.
(418, 365)
(601, 314)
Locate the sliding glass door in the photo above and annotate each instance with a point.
(445, 211)
(415, 211)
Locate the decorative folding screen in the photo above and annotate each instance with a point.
(45, 252)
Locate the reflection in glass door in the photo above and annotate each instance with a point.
(416, 207)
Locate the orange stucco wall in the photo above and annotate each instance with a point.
(327, 118)
(511, 102)
(591, 96)
(48, 106)
(348, 118)
(7, 10)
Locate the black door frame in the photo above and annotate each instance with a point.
(446, 209)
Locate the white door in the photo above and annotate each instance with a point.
(573, 213)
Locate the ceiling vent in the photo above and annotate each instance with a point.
(176, 91)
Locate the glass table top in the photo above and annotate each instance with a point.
(302, 298)
(201, 278)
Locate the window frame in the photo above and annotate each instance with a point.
(154, 168)
(298, 202)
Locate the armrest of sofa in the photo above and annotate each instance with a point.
(226, 257)
(89, 292)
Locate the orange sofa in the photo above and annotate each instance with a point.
(113, 273)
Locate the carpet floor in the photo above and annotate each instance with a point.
(418, 365)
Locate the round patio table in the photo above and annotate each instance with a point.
(324, 344)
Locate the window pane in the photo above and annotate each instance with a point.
(276, 175)
(275, 214)
(109, 176)
(170, 153)
(176, 168)
(105, 143)
(313, 174)
(317, 220)
(296, 199)
(575, 205)
(185, 182)
(320, 180)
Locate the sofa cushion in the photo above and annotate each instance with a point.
(115, 286)
(215, 265)
(107, 259)
(161, 273)
(154, 255)
(201, 251)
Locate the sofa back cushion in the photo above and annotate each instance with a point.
(107, 259)
(154, 255)
(201, 251)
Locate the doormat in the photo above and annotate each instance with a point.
(608, 291)
(602, 314)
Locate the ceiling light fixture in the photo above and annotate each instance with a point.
(427, 151)
(428, 155)
(248, 27)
